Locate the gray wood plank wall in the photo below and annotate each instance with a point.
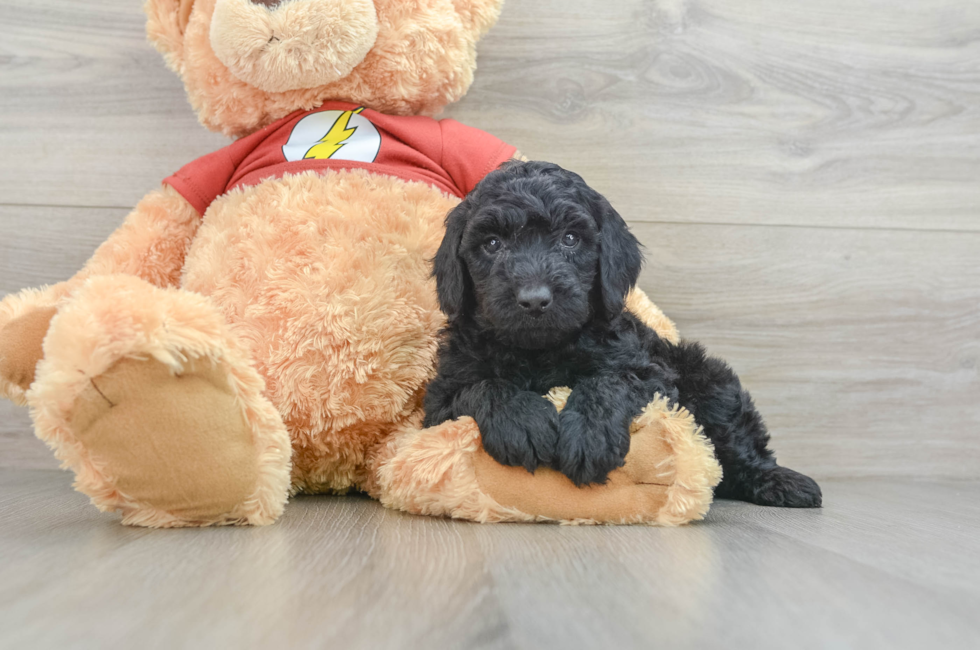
(805, 177)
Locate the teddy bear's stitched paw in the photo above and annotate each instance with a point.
(177, 443)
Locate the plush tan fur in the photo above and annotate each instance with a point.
(31, 306)
(299, 44)
(423, 58)
(151, 243)
(355, 247)
(20, 346)
(198, 370)
(638, 303)
(433, 472)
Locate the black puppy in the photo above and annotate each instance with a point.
(533, 274)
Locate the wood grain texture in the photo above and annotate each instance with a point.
(885, 564)
(19, 447)
(860, 347)
(839, 112)
(49, 244)
(835, 113)
(804, 178)
(90, 114)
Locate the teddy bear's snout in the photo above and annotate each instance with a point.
(279, 45)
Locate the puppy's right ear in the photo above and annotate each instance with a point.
(452, 279)
(620, 257)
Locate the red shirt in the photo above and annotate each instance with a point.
(444, 153)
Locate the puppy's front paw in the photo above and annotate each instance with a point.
(589, 450)
(525, 434)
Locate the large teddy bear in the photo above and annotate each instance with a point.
(265, 323)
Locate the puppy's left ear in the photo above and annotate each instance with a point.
(452, 279)
(620, 258)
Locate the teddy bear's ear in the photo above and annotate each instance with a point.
(165, 24)
(479, 14)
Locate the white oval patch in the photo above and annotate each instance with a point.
(337, 135)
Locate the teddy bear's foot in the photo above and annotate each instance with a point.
(176, 443)
(145, 394)
(667, 479)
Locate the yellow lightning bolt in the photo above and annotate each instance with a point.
(335, 138)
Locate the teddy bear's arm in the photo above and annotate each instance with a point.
(151, 244)
(643, 308)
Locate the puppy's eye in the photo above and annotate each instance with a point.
(569, 240)
(492, 245)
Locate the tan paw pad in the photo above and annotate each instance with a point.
(176, 442)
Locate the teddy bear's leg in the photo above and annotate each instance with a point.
(147, 396)
(443, 470)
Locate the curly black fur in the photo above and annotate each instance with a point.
(533, 273)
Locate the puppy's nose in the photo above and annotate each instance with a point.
(534, 299)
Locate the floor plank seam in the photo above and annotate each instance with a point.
(666, 222)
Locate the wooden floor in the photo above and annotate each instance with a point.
(886, 564)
